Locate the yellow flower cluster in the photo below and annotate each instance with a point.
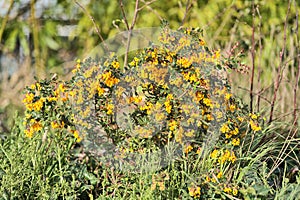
(184, 62)
(34, 127)
(230, 190)
(109, 80)
(223, 155)
(188, 149)
(33, 105)
(194, 191)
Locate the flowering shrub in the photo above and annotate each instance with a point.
(174, 92)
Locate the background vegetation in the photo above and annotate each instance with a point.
(264, 32)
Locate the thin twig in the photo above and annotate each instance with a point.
(260, 57)
(298, 70)
(124, 14)
(154, 11)
(129, 29)
(259, 93)
(253, 58)
(279, 77)
(95, 25)
(146, 4)
(187, 10)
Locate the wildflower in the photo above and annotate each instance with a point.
(28, 98)
(199, 96)
(115, 64)
(235, 142)
(227, 96)
(195, 191)
(207, 179)
(168, 106)
(187, 149)
(232, 107)
(202, 42)
(235, 131)
(214, 154)
(254, 127)
(207, 102)
(76, 135)
(38, 105)
(220, 174)
(55, 125)
(241, 119)
(219, 115)
(50, 99)
(172, 125)
(35, 127)
(227, 189)
(224, 128)
(184, 62)
(61, 87)
(109, 108)
(234, 191)
(253, 116)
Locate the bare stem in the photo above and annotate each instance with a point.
(129, 28)
(95, 25)
(188, 7)
(253, 58)
(298, 70)
(259, 64)
(279, 77)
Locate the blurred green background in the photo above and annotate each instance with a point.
(42, 37)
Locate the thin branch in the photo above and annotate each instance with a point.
(260, 58)
(152, 10)
(253, 58)
(146, 4)
(136, 10)
(298, 70)
(279, 77)
(124, 14)
(259, 93)
(95, 25)
(188, 7)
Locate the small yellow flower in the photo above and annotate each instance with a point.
(207, 102)
(214, 154)
(253, 116)
(76, 135)
(110, 108)
(235, 142)
(202, 42)
(234, 191)
(55, 125)
(194, 191)
(28, 98)
(187, 149)
(227, 190)
(232, 107)
(115, 64)
(220, 174)
(172, 125)
(254, 127)
(224, 128)
(227, 96)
